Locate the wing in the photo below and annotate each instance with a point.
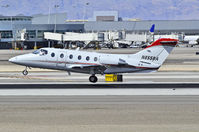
(71, 66)
(86, 68)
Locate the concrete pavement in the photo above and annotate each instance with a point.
(99, 113)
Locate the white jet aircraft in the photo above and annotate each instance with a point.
(147, 60)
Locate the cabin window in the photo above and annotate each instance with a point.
(79, 57)
(87, 58)
(62, 56)
(71, 56)
(53, 54)
(95, 59)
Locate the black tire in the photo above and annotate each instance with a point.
(93, 79)
(25, 72)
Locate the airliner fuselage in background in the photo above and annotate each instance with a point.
(148, 60)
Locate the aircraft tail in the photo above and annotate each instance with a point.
(155, 54)
(151, 33)
(152, 29)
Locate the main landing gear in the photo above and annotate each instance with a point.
(25, 72)
(93, 79)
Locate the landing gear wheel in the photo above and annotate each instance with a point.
(25, 72)
(93, 79)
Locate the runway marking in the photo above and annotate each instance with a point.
(89, 92)
(115, 85)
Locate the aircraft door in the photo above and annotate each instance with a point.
(61, 60)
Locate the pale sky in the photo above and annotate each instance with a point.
(76, 9)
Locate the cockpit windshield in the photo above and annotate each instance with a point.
(40, 52)
(36, 51)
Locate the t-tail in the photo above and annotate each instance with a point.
(154, 55)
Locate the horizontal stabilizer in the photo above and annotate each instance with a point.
(164, 42)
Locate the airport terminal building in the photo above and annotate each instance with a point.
(33, 27)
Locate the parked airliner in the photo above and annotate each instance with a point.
(147, 60)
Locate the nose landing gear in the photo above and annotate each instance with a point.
(93, 79)
(25, 72)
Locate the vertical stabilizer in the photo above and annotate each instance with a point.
(157, 52)
(152, 29)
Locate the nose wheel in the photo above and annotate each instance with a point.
(25, 72)
(93, 79)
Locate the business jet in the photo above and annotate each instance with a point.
(147, 60)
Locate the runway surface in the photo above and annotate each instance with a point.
(105, 106)
(59, 83)
(99, 113)
(61, 77)
(65, 100)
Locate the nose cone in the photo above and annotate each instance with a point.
(13, 60)
(24, 60)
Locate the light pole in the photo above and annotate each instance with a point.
(56, 6)
(6, 6)
(49, 4)
(87, 4)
